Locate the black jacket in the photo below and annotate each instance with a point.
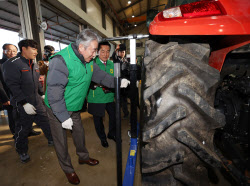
(124, 65)
(1, 75)
(22, 79)
(3, 59)
(4, 96)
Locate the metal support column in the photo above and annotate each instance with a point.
(31, 17)
(131, 162)
(81, 27)
(59, 45)
(117, 75)
(133, 88)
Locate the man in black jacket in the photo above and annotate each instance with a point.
(119, 55)
(21, 76)
(10, 51)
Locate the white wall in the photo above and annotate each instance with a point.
(112, 49)
(92, 17)
(109, 24)
(117, 31)
(77, 2)
(94, 10)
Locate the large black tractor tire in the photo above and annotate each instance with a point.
(179, 119)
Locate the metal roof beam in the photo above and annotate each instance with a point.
(139, 24)
(59, 32)
(9, 28)
(13, 3)
(140, 7)
(136, 16)
(129, 6)
(58, 38)
(148, 6)
(10, 12)
(47, 19)
(50, 7)
(16, 23)
(122, 8)
(64, 41)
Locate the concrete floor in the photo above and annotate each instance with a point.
(44, 169)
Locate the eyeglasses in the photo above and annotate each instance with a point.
(11, 51)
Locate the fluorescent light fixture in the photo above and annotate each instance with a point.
(129, 2)
(133, 16)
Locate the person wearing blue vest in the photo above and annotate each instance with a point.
(101, 98)
(70, 72)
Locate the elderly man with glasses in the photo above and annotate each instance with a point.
(9, 51)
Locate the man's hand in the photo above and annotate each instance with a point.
(43, 97)
(67, 124)
(117, 47)
(124, 83)
(6, 103)
(29, 109)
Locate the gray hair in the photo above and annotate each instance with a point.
(86, 36)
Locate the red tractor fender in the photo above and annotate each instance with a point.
(230, 43)
(233, 23)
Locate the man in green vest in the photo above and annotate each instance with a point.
(101, 98)
(70, 72)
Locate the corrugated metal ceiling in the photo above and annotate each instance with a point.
(64, 29)
(60, 28)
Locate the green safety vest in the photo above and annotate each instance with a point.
(98, 95)
(78, 80)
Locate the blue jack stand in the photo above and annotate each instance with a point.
(129, 175)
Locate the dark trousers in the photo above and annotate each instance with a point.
(9, 109)
(24, 126)
(59, 135)
(124, 104)
(98, 121)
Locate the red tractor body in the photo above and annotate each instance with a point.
(224, 17)
(229, 18)
(196, 94)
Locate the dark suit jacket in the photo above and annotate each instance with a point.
(3, 88)
(97, 109)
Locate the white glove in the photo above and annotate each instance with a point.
(29, 109)
(124, 83)
(46, 63)
(43, 97)
(67, 124)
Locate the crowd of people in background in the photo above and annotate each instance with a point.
(52, 92)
